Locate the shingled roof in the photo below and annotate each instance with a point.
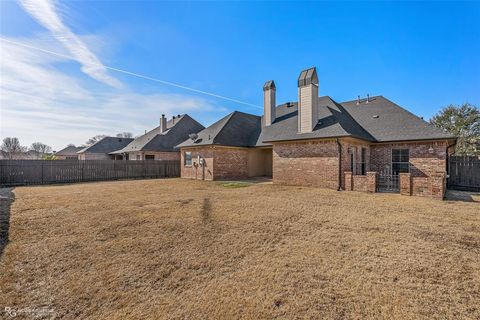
(106, 145)
(177, 131)
(69, 151)
(387, 121)
(238, 129)
(379, 120)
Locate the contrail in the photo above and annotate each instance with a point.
(137, 75)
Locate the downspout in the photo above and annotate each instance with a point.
(447, 162)
(339, 164)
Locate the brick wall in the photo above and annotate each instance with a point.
(427, 167)
(220, 163)
(230, 163)
(350, 146)
(94, 156)
(171, 155)
(432, 186)
(312, 163)
(195, 171)
(364, 183)
(422, 162)
(164, 155)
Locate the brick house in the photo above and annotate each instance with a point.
(159, 143)
(370, 145)
(68, 153)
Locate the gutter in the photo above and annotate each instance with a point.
(339, 164)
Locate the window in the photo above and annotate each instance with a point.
(363, 163)
(188, 158)
(149, 157)
(400, 161)
(351, 162)
(139, 157)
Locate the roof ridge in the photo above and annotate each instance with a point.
(230, 116)
(343, 110)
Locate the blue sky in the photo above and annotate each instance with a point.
(422, 56)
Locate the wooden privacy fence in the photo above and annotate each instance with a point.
(464, 173)
(34, 172)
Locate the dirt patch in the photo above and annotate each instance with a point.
(191, 249)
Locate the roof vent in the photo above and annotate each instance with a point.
(358, 99)
(375, 116)
(193, 136)
(368, 98)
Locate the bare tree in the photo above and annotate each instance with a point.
(41, 147)
(95, 139)
(12, 147)
(125, 135)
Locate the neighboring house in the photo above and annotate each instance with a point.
(101, 149)
(159, 143)
(367, 145)
(68, 153)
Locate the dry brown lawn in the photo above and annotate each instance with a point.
(189, 249)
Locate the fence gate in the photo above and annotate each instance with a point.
(464, 173)
(387, 181)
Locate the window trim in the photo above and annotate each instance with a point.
(185, 158)
(400, 162)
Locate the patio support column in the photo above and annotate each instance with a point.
(371, 181)
(405, 184)
(348, 181)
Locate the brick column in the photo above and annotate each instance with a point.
(405, 184)
(371, 181)
(348, 181)
(437, 185)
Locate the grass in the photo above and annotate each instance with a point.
(235, 184)
(191, 249)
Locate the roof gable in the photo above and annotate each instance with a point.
(69, 150)
(154, 140)
(107, 145)
(387, 121)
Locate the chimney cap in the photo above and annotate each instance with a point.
(270, 84)
(307, 77)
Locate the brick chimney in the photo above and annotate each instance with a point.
(307, 100)
(163, 124)
(269, 102)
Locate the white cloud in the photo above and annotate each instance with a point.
(40, 102)
(46, 13)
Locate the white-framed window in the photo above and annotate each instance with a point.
(187, 158)
(400, 161)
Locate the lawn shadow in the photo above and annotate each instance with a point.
(206, 210)
(6, 199)
(465, 196)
